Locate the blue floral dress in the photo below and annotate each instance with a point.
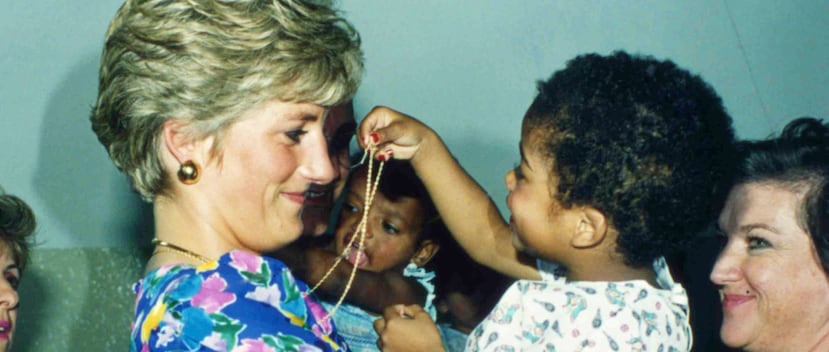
(241, 302)
(559, 315)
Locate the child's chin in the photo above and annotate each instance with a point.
(516, 242)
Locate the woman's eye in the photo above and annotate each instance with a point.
(757, 243)
(13, 280)
(389, 228)
(295, 135)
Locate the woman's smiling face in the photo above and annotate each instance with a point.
(258, 184)
(775, 295)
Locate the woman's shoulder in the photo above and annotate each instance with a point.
(235, 275)
(236, 298)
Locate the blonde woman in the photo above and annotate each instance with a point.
(218, 112)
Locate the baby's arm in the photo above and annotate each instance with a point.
(466, 209)
(371, 291)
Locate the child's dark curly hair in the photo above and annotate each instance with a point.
(644, 141)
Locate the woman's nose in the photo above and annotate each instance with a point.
(320, 168)
(726, 268)
(8, 295)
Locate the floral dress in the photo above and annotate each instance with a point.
(240, 302)
(559, 315)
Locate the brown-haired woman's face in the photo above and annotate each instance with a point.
(774, 292)
(8, 297)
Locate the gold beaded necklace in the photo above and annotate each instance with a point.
(371, 189)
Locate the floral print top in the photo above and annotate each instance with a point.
(559, 315)
(240, 302)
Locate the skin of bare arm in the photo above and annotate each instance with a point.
(371, 291)
(407, 328)
(458, 198)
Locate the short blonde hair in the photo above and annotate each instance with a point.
(208, 61)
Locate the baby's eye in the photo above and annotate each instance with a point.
(351, 208)
(757, 243)
(389, 228)
(295, 135)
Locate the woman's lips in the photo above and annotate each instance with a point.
(5, 330)
(296, 197)
(731, 301)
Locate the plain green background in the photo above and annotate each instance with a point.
(466, 67)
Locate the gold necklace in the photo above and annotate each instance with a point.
(371, 189)
(169, 247)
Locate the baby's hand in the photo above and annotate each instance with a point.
(395, 135)
(407, 328)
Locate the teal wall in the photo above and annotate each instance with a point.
(466, 67)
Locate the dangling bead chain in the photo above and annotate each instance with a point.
(371, 189)
(167, 246)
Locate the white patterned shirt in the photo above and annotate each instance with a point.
(556, 315)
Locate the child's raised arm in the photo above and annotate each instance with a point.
(466, 209)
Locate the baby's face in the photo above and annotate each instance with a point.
(391, 233)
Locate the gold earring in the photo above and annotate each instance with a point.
(189, 172)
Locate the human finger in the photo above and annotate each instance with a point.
(379, 117)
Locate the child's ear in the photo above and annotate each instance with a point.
(591, 229)
(425, 252)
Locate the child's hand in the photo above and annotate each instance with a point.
(395, 134)
(407, 328)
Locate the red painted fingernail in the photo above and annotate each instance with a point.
(381, 157)
(374, 137)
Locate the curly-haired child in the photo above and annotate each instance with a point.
(622, 160)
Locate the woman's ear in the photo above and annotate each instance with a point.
(425, 252)
(591, 229)
(177, 142)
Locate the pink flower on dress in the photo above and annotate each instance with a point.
(211, 297)
(245, 261)
(319, 312)
(249, 345)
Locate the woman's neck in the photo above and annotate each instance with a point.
(184, 226)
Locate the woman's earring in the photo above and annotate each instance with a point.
(189, 172)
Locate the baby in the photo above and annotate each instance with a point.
(403, 235)
(623, 158)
